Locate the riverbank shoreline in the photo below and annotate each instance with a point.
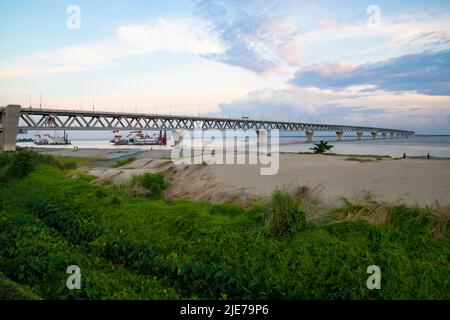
(330, 178)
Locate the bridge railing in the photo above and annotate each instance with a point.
(39, 119)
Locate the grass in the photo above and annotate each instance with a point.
(124, 161)
(13, 291)
(131, 247)
(286, 214)
(155, 183)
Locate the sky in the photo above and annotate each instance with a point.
(376, 63)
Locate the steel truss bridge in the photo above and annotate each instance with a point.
(15, 119)
(47, 119)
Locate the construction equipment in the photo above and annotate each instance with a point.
(139, 138)
(47, 139)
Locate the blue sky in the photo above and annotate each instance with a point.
(382, 63)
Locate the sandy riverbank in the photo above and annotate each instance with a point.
(329, 178)
(333, 177)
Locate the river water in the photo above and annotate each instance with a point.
(437, 146)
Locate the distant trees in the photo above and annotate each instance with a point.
(321, 147)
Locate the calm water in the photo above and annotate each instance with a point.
(438, 146)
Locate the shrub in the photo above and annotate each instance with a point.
(286, 214)
(16, 165)
(22, 164)
(321, 147)
(153, 182)
(6, 158)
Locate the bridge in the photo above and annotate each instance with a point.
(14, 119)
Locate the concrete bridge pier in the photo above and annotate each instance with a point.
(391, 134)
(262, 136)
(261, 141)
(383, 134)
(360, 135)
(374, 135)
(339, 135)
(9, 120)
(309, 136)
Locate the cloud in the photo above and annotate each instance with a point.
(353, 105)
(271, 103)
(327, 22)
(254, 37)
(427, 73)
(171, 35)
(258, 36)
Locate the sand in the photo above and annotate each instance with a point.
(329, 179)
(408, 181)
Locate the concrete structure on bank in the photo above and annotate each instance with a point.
(9, 119)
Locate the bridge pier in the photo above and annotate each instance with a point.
(391, 134)
(10, 122)
(309, 136)
(360, 135)
(14, 120)
(374, 135)
(262, 136)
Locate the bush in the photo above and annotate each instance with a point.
(321, 147)
(286, 214)
(153, 182)
(16, 165)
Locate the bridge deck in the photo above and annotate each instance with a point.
(46, 119)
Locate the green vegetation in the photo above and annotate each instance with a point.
(321, 147)
(153, 182)
(131, 247)
(124, 161)
(13, 291)
(286, 214)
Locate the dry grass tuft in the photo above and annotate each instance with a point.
(303, 192)
(375, 213)
(439, 226)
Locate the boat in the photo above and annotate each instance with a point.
(119, 139)
(145, 139)
(139, 138)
